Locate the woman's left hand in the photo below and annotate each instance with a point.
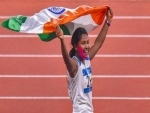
(109, 15)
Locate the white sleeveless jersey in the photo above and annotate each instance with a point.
(80, 88)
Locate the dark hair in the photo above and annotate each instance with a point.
(75, 39)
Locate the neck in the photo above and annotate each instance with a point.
(79, 57)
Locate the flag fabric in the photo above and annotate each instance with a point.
(43, 23)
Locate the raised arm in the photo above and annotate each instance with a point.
(70, 63)
(101, 36)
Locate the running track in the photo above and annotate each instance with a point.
(33, 74)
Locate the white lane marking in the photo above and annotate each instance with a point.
(67, 36)
(58, 56)
(66, 98)
(64, 76)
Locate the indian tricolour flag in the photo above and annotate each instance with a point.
(43, 23)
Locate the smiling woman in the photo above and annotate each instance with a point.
(79, 66)
(83, 43)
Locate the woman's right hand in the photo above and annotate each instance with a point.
(59, 32)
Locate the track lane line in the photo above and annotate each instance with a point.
(58, 56)
(64, 98)
(64, 76)
(91, 36)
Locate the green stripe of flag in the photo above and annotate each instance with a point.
(51, 36)
(14, 23)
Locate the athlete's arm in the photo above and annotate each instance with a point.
(71, 64)
(101, 37)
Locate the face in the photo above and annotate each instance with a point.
(83, 46)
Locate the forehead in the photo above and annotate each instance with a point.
(84, 37)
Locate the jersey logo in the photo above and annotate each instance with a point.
(87, 71)
(88, 89)
(56, 10)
